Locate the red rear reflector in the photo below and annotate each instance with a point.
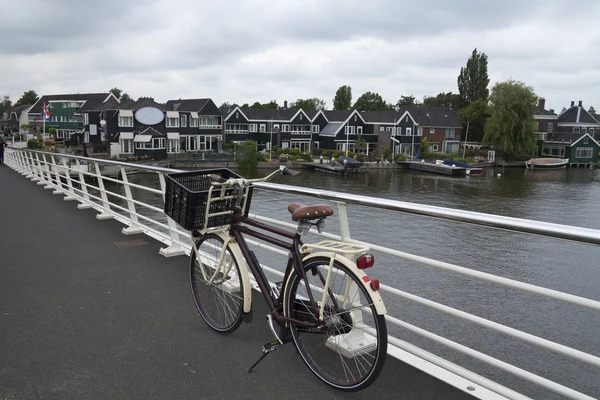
(365, 261)
(366, 279)
(375, 284)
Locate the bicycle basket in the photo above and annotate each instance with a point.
(186, 198)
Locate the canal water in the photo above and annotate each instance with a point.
(564, 196)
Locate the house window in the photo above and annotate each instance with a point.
(550, 127)
(355, 118)
(576, 130)
(450, 133)
(158, 143)
(359, 130)
(184, 121)
(315, 128)
(585, 140)
(172, 123)
(408, 131)
(382, 129)
(316, 145)
(285, 128)
(285, 145)
(127, 146)
(126, 121)
(433, 148)
(263, 128)
(584, 152)
(252, 127)
(407, 118)
(194, 122)
(390, 129)
(350, 130)
(583, 130)
(86, 119)
(173, 145)
(431, 131)
(237, 115)
(553, 151)
(300, 116)
(275, 127)
(420, 131)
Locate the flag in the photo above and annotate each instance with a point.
(46, 113)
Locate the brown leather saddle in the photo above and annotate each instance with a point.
(316, 211)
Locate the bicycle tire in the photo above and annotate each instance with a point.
(227, 290)
(337, 339)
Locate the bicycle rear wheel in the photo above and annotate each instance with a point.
(219, 302)
(344, 353)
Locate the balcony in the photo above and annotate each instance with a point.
(211, 127)
(542, 135)
(237, 132)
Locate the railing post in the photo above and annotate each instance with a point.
(48, 174)
(106, 212)
(135, 227)
(70, 195)
(174, 248)
(59, 184)
(41, 179)
(18, 161)
(343, 218)
(27, 164)
(34, 170)
(87, 203)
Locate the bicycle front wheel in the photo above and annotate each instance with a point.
(348, 351)
(216, 286)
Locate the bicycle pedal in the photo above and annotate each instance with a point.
(271, 346)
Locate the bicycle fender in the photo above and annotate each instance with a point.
(237, 253)
(377, 300)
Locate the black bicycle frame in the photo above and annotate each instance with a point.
(238, 231)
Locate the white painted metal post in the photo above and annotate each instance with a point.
(106, 212)
(86, 197)
(20, 167)
(34, 170)
(48, 174)
(59, 184)
(174, 248)
(25, 161)
(343, 217)
(70, 194)
(41, 178)
(135, 227)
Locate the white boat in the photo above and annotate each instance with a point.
(546, 163)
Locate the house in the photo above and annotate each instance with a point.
(577, 120)
(66, 111)
(440, 126)
(196, 123)
(19, 119)
(347, 130)
(580, 148)
(286, 128)
(546, 121)
(134, 128)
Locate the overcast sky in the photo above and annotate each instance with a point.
(259, 50)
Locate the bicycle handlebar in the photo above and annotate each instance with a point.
(244, 182)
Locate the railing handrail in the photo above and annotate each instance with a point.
(569, 232)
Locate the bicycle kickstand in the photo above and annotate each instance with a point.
(266, 349)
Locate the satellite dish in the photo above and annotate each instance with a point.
(149, 115)
(102, 122)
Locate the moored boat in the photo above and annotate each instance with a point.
(546, 163)
(471, 169)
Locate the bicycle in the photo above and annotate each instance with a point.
(325, 303)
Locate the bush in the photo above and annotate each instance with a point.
(35, 144)
(317, 152)
(387, 154)
(401, 157)
(228, 146)
(360, 157)
(262, 157)
(306, 157)
(247, 156)
(327, 153)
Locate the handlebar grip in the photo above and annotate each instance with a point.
(217, 178)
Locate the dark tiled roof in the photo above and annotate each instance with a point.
(186, 104)
(575, 115)
(434, 116)
(150, 131)
(311, 113)
(92, 100)
(265, 115)
(19, 109)
(380, 116)
(337, 115)
(111, 104)
(141, 102)
(544, 112)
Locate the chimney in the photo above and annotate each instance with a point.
(285, 105)
(552, 110)
(542, 104)
(580, 103)
(572, 104)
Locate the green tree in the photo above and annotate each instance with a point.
(309, 104)
(28, 98)
(5, 104)
(116, 92)
(272, 105)
(343, 98)
(592, 112)
(511, 126)
(256, 105)
(372, 102)
(473, 80)
(445, 100)
(124, 97)
(474, 115)
(405, 101)
(247, 156)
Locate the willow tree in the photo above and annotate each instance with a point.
(511, 126)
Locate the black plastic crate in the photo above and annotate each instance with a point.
(186, 197)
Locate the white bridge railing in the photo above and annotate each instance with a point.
(65, 175)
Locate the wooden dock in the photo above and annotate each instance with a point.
(435, 168)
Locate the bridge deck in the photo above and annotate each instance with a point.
(84, 317)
